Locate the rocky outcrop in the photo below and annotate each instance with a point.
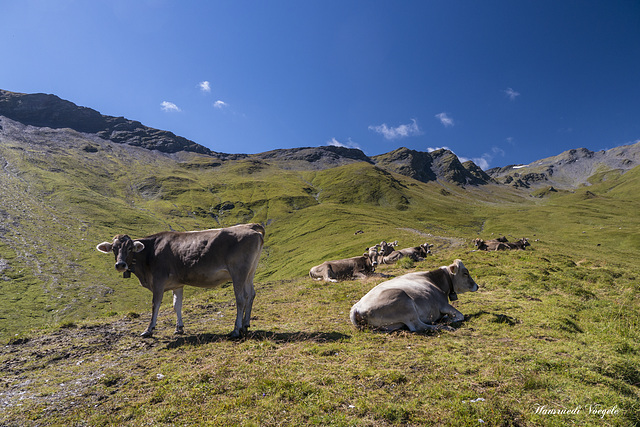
(316, 158)
(50, 111)
(570, 169)
(436, 165)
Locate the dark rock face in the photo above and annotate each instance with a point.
(44, 110)
(326, 154)
(439, 164)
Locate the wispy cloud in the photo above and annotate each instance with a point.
(445, 119)
(205, 86)
(511, 94)
(430, 149)
(220, 104)
(402, 131)
(484, 161)
(169, 107)
(349, 144)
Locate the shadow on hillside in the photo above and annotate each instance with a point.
(278, 337)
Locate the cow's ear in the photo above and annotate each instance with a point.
(138, 246)
(453, 269)
(104, 247)
(457, 264)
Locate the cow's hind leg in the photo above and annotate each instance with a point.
(245, 294)
(419, 326)
(177, 307)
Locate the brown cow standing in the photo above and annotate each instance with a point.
(169, 260)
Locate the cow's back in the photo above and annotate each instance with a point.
(209, 257)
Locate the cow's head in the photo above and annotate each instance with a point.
(385, 248)
(425, 249)
(123, 247)
(372, 255)
(461, 279)
(524, 242)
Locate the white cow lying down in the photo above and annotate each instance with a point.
(415, 300)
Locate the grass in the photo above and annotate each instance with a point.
(552, 328)
(521, 347)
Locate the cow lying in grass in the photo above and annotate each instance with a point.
(418, 253)
(500, 244)
(414, 300)
(344, 269)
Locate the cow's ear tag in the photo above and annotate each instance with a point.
(453, 296)
(126, 274)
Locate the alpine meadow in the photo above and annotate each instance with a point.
(551, 338)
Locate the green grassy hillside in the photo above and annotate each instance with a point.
(556, 326)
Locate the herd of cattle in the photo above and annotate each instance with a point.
(170, 260)
(360, 266)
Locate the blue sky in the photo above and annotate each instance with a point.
(496, 81)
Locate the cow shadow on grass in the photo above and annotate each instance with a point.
(277, 337)
(496, 317)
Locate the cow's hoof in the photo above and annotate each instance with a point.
(147, 334)
(179, 331)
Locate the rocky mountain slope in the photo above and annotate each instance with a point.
(42, 110)
(570, 169)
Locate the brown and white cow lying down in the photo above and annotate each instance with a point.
(500, 244)
(169, 260)
(414, 300)
(417, 253)
(345, 269)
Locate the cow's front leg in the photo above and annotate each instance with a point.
(177, 307)
(454, 315)
(157, 300)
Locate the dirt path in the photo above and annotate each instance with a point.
(439, 242)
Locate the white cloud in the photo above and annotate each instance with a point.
(430, 149)
(402, 131)
(483, 162)
(169, 107)
(349, 144)
(205, 86)
(220, 104)
(512, 94)
(445, 119)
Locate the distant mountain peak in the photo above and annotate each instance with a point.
(441, 164)
(44, 110)
(570, 169)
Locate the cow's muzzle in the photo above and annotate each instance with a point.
(121, 266)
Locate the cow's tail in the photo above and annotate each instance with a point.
(357, 318)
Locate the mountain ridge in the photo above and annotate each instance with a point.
(46, 110)
(568, 170)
